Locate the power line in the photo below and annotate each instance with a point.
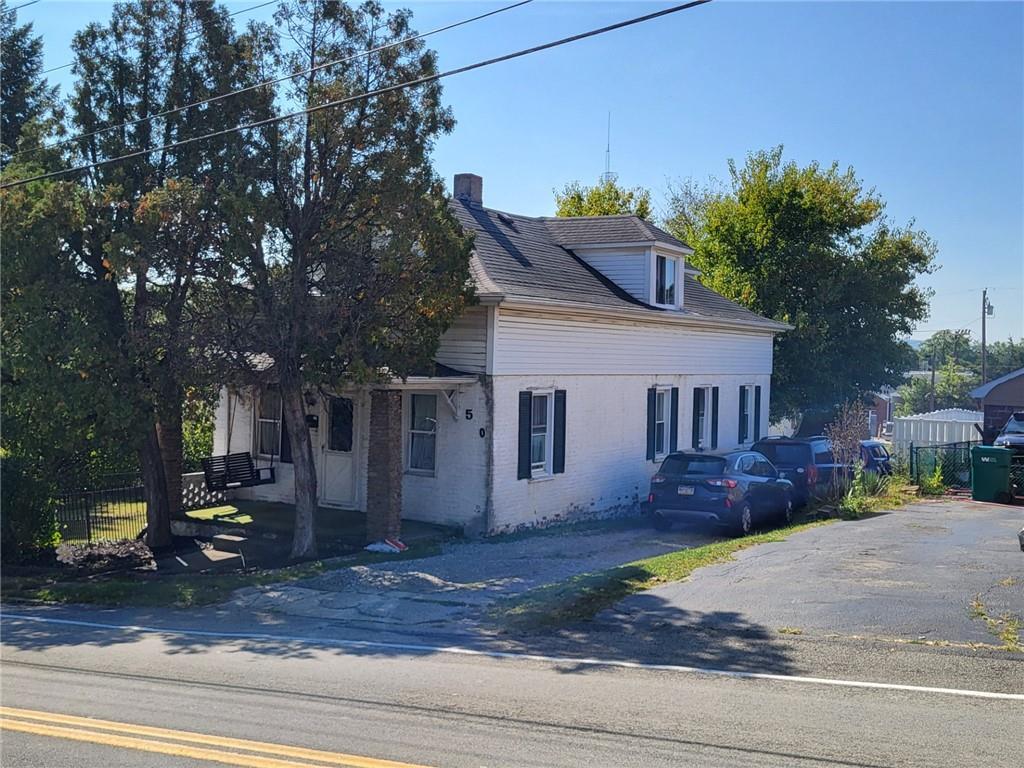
(368, 94)
(310, 70)
(23, 5)
(204, 24)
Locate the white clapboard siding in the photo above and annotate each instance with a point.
(627, 270)
(530, 342)
(464, 345)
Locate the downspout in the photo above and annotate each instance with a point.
(487, 382)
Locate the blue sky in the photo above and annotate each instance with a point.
(924, 100)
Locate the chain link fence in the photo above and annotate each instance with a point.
(953, 460)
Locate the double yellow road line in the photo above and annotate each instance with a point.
(198, 746)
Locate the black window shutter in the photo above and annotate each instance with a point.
(558, 459)
(714, 418)
(742, 421)
(525, 411)
(757, 413)
(698, 396)
(673, 437)
(652, 399)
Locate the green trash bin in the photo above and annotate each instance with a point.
(990, 473)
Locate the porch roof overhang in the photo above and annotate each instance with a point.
(431, 382)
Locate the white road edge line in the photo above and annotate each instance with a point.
(510, 655)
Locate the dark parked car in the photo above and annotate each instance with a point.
(1012, 435)
(875, 457)
(807, 462)
(734, 489)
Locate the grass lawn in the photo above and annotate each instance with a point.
(181, 590)
(582, 597)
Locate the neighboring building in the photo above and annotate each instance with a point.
(998, 399)
(592, 353)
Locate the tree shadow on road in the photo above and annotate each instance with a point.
(666, 635)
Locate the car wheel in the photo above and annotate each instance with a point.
(660, 522)
(787, 510)
(745, 519)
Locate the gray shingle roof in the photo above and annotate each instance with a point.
(520, 258)
(606, 229)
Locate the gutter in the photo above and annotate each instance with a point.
(646, 315)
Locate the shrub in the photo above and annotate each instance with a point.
(932, 485)
(27, 498)
(123, 554)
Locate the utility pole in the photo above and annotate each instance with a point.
(986, 309)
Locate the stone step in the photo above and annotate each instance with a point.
(251, 548)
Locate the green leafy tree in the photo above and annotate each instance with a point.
(351, 266)
(26, 96)
(811, 247)
(141, 234)
(1003, 357)
(606, 198)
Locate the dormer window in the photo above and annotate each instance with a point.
(666, 273)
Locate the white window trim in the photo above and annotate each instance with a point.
(704, 444)
(749, 388)
(259, 420)
(680, 266)
(666, 420)
(408, 431)
(547, 471)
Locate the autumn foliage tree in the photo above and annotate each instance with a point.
(348, 266)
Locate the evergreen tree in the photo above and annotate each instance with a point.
(26, 97)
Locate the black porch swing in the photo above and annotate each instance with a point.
(237, 470)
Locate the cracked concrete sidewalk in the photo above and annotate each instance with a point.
(453, 591)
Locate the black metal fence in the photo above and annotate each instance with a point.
(953, 460)
(112, 507)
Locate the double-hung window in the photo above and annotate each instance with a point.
(661, 420)
(665, 282)
(422, 433)
(746, 415)
(541, 421)
(705, 418)
(268, 422)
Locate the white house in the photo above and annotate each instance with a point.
(592, 353)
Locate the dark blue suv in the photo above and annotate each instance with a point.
(734, 489)
(807, 462)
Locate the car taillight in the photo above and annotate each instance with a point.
(812, 474)
(720, 482)
(650, 498)
(658, 479)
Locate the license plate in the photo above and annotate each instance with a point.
(685, 490)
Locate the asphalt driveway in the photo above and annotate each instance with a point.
(928, 571)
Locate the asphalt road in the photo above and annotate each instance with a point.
(382, 703)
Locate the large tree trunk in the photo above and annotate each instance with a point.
(304, 539)
(169, 430)
(158, 513)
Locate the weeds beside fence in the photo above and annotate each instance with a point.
(953, 460)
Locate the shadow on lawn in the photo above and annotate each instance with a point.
(718, 640)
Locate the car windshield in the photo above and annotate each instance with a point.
(876, 451)
(784, 454)
(693, 465)
(1014, 427)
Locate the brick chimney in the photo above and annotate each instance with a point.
(469, 187)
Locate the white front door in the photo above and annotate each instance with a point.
(338, 483)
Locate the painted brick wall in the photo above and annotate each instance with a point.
(457, 492)
(606, 442)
